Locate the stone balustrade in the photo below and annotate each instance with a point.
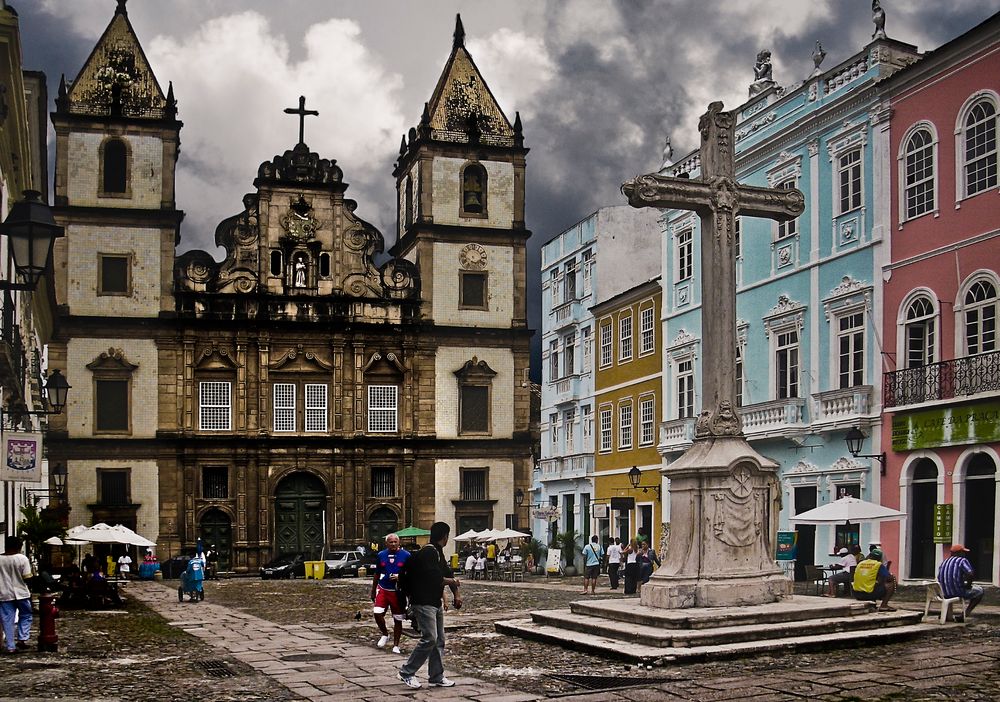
(841, 408)
(774, 418)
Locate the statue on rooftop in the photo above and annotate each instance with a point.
(668, 154)
(878, 17)
(762, 78)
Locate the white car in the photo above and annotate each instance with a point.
(340, 564)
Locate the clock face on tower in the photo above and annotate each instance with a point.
(473, 256)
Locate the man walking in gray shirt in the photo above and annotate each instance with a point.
(15, 597)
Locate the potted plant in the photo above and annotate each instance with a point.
(566, 542)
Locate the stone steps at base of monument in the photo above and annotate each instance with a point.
(650, 634)
(605, 646)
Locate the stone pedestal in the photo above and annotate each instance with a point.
(724, 503)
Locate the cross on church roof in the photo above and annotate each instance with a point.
(121, 9)
(301, 112)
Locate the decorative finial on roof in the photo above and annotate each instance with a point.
(301, 112)
(171, 107)
(425, 116)
(818, 55)
(121, 9)
(61, 97)
(459, 32)
(518, 130)
(402, 145)
(62, 86)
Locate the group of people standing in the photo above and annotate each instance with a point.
(638, 558)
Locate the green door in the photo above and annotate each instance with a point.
(298, 515)
(381, 522)
(217, 534)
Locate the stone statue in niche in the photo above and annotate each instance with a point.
(299, 279)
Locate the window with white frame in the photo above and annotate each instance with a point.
(787, 364)
(569, 354)
(284, 407)
(625, 425)
(851, 349)
(588, 349)
(554, 430)
(647, 429)
(569, 423)
(215, 405)
(569, 282)
(625, 337)
(647, 336)
(685, 388)
(382, 408)
(849, 180)
(587, 425)
(554, 286)
(553, 360)
(981, 318)
(588, 262)
(980, 148)
(739, 375)
(738, 237)
(918, 164)
(790, 227)
(684, 252)
(316, 407)
(920, 329)
(607, 343)
(606, 429)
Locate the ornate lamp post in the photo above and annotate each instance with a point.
(32, 231)
(635, 477)
(855, 440)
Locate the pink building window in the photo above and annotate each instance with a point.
(981, 148)
(919, 157)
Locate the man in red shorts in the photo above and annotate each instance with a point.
(384, 593)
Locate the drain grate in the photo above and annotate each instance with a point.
(216, 668)
(309, 657)
(607, 682)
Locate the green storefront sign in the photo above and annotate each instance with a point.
(942, 523)
(947, 426)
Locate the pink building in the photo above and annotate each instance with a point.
(941, 429)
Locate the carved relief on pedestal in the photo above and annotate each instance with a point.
(737, 512)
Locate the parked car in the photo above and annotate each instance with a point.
(173, 567)
(287, 566)
(342, 564)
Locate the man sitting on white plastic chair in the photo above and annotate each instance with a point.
(955, 577)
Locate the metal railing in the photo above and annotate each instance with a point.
(958, 377)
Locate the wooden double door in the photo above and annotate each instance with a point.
(299, 516)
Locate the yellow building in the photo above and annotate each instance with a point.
(628, 392)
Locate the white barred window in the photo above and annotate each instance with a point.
(607, 343)
(316, 415)
(215, 407)
(284, 407)
(382, 408)
(625, 426)
(625, 338)
(646, 433)
(605, 429)
(646, 334)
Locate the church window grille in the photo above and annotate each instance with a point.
(685, 388)
(114, 487)
(316, 407)
(569, 355)
(284, 407)
(919, 174)
(113, 274)
(981, 148)
(383, 481)
(646, 420)
(215, 405)
(625, 337)
(111, 405)
(382, 409)
(920, 330)
(791, 227)
(607, 344)
(588, 349)
(474, 189)
(277, 264)
(215, 482)
(981, 306)
(685, 255)
(787, 363)
(553, 361)
(625, 425)
(606, 429)
(324, 265)
(849, 180)
(647, 341)
(473, 290)
(851, 349)
(474, 484)
(114, 167)
(474, 409)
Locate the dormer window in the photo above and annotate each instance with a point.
(474, 190)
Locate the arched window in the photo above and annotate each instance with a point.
(277, 264)
(114, 166)
(474, 190)
(408, 203)
(981, 318)
(919, 173)
(920, 328)
(980, 148)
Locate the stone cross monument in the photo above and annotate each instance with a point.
(724, 496)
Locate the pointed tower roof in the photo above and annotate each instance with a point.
(462, 107)
(116, 79)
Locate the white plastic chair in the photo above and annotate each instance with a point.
(934, 594)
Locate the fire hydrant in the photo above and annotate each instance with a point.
(48, 638)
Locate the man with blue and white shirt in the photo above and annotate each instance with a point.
(592, 554)
(955, 576)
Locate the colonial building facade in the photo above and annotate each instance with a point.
(306, 390)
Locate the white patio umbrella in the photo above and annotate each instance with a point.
(101, 533)
(469, 535)
(70, 538)
(510, 534)
(488, 535)
(847, 509)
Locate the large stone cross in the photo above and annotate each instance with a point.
(718, 199)
(301, 112)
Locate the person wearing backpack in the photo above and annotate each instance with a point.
(592, 554)
(423, 578)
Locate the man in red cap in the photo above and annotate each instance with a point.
(955, 576)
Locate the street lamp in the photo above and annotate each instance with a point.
(855, 439)
(32, 231)
(635, 477)
(59, 474)
(518, 497)
(54, 394)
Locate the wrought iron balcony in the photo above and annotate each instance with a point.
(957, 378)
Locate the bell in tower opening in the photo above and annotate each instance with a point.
(474, 189)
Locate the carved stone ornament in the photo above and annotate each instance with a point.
(300, 221)
(737, 518)
(726, 422)
(300, 165)
(472, 257)
(112, 359)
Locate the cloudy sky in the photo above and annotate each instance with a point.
(598, 83)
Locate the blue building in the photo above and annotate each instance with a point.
(809, 290)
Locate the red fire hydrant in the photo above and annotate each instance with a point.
(48, 638)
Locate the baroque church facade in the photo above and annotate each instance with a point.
(311, 388)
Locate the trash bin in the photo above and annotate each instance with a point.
(315, 569)
(454, 561)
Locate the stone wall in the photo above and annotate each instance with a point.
(447, 191)
(499, 287)
(143, 480)
(145, 172)
(450, 359)
(142, 246)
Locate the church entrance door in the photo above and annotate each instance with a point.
(381, 522)
(298, 515)
(217, 534)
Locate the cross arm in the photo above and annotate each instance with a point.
(653, 190)
(770, 203)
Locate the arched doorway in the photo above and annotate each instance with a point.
(217, 534)
(980, 513)
(923, 497)
(299, 502)
(381, 522)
